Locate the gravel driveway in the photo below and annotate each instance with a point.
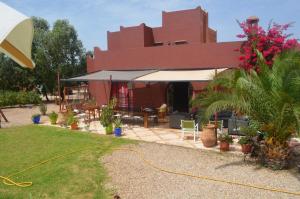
(130, 177)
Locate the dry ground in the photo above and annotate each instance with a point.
(22, 116)
(132, 178)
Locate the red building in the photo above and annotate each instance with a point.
(183, 42)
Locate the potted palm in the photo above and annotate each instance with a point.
(53, 117)
(36, 118)
(72, 121)
(118, 127)
(106, 118)
(225, 140)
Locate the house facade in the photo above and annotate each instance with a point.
(183, 42)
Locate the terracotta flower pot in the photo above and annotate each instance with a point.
(246, 148)
(74, 126)
(208, 136)
(224, 146)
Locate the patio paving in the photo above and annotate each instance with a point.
(162, 135)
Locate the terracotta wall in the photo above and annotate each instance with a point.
(190, 56)
(132, 48)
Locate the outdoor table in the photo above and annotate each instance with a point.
(92, 110)
(146, 112)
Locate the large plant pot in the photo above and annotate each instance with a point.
(118, 132)
(36, 120)
(246, 148)
(208, 136)
(74, 126)
(109, 129)
(224, 146)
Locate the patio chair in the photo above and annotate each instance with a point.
(189, 126)
(220, 124)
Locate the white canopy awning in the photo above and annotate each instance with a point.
(112, 75)
(180, 75)
(16, 34)
(150, 75)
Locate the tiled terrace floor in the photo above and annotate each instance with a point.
(162, 135)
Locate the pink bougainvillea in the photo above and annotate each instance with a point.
(269, 43)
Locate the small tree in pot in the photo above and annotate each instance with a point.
(225, 140)
(106, 118)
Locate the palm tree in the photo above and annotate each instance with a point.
(271, 97)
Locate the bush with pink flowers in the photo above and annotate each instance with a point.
(268, 42)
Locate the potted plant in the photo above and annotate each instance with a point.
(118, 127)
(225, 140)
(53, 117)
(36, 118)
(246, 143)
(72, 121)
(43, 108)
(106, 118)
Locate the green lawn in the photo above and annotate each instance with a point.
(80, 175)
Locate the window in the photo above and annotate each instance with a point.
(158, 44)
(180, 42)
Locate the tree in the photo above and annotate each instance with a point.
(66, 49)
(12, 77)
(53, 51)
(43, 71)
(269, 43)
(269, 97)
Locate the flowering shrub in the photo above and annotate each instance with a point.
(269, 43)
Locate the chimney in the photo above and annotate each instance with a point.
(253, 20)
(252, 23)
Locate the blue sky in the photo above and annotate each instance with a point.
(92, 18)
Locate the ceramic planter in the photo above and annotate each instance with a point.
(118, 132)
(246, 148)
(74, 126)
(36, 119)
(208, 136)
(224, 146)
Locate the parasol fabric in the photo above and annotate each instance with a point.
(16, 34)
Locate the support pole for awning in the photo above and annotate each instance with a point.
(216, 115)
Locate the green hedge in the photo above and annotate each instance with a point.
(11, 98)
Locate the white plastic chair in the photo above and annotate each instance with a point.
(220, 126)
(189, 126)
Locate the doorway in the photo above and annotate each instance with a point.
(178, 96)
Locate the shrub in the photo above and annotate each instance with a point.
(225, 138)
(11, 98)
(53, 117)
(107, 113)
(43, 108)
(71, 119)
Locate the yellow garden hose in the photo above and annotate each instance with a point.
(9, 181)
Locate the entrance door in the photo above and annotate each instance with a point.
(180, 95)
